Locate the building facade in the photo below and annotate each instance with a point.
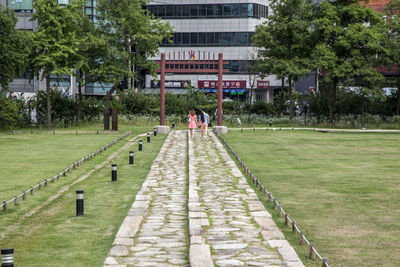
(202, 30)
(24, 11)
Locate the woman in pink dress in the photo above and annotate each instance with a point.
(192, 122)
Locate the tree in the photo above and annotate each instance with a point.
(14, 47)
(392, 11)
(56, 41)
(127, 24)
(349, 36)
(92, 48)
(284, 42)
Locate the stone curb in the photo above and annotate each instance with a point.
(133, 220)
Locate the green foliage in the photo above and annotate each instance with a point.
(125, 24)
(63, 109)
(91, 109)
(284, 40)
(8, 112)
(14, 47)
(55, 39)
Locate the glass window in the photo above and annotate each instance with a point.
(21, 5)
(243, 10)
(235, 10)
(202, 10)
(161, 11)
(243, 37)
(193, 38)
(227, 10)
(210, 38)
(61, 2)
(202, 38)
(235, 38)
(234, 66)
(178, 11)
(210, 12)
(185, 10)
(217, 10)
(219, 38)
(194, 11)
(178, 38)
(256, 11)
(251, 34)
(170, 11)
(89, 10)
(250, 10)
(185, 38)
(226, 40)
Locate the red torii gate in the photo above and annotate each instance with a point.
(206, 63)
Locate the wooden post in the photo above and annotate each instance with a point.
(280, 211)
(269, 197)
(31, 190)
(301, 239)
(324, 262)
(275, 203)
(220, 70)
(294, 231)
(15, 200)
(39, 186)
(4, 206)
(45, 182)
(311, 255)
(23, 195)
(287, 219)
(114, 120)
(162, 90)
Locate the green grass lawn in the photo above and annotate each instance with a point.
(341, 188)
(54, 236)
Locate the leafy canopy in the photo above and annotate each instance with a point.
(14, 46)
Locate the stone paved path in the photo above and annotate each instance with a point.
(228, 225)
(160, 210)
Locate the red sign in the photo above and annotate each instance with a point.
(262, 84)
(225, 84)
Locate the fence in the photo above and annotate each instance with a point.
(276, 205)
(56, 177)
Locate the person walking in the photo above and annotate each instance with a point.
(205, 119)
(192, 122)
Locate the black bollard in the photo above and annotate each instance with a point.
(130, 157)
(148, 137)
(155, 131)
(113, 172)
(140, 145)
(173, 125)
(79, 202)
(7, 257)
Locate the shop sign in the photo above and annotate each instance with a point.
(172, 84)
(262, 84)
(205, 84)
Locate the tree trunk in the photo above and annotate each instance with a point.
(48, 102)
(332, 101)
(290, 102)
(362, 112)
(107, 107)
(250, 98)
(398, 97)
(78, 117)
(129, 50)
